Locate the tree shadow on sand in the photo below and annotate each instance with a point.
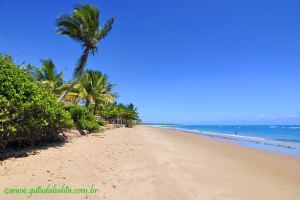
(23, 151)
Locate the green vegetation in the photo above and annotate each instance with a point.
(28, 114)
(121, 114)
(84, 118)
(29, 110)
(83, 25)
(93, 87)
(47, 76)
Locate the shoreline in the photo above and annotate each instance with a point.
(252, 142)
(229, 142)
(151, 163)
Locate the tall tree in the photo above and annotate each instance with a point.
(83, 25)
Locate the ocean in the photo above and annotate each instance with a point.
(283, 139)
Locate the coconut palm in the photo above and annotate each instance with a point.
(129, 114)
(103, 89)
(47, 75)
(83, 25)
(96, 88)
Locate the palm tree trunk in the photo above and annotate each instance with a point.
(80, 68)
(69, 89)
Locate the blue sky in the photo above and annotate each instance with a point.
(207, 62)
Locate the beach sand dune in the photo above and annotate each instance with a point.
(152, 163)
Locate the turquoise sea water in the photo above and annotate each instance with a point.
(284, 139)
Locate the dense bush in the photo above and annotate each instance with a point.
(27, 113)
(84, 118)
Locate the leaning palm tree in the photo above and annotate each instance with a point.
(83, 25)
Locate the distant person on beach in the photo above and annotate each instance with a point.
(235, 133)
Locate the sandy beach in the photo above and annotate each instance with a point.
(152, 163)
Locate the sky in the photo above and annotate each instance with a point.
(190, 62)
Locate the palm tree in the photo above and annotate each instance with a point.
(119, 113)
(129, 114)
(102, 93)
(47, 75)
(96, 88)
(83, 25)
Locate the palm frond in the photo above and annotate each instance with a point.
(83, 25)
(89, 15)
(48, 69)
(70, 26)
(106, 28)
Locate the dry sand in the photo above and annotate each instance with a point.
(151, 163)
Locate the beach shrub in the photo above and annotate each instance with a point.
(28, 114)
(84, 118)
